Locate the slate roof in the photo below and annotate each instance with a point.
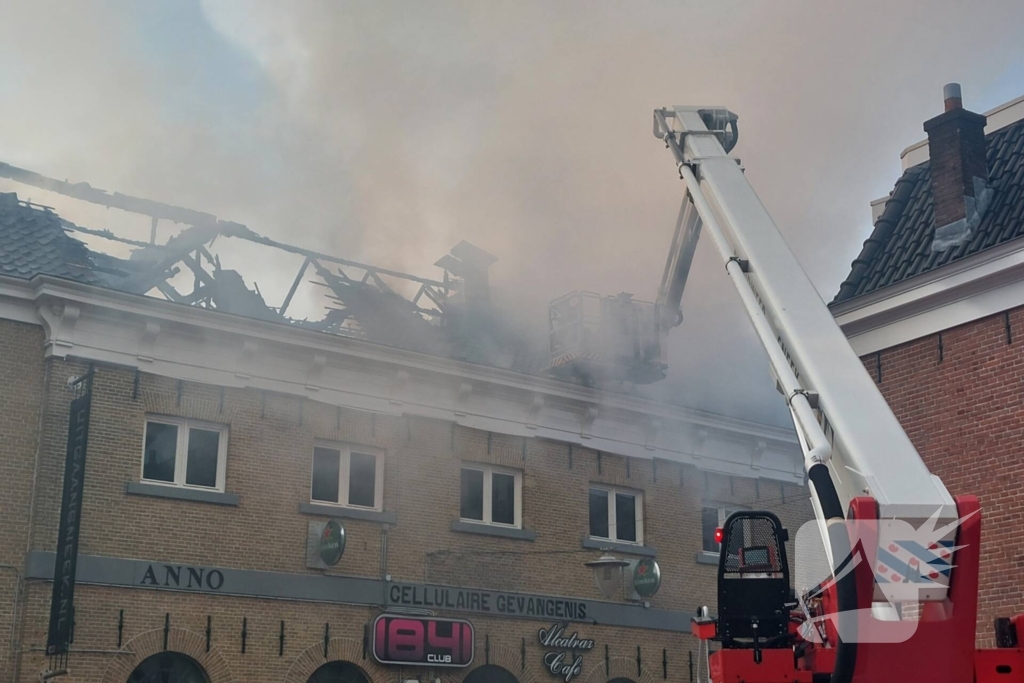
(900, 245)
(33, 241)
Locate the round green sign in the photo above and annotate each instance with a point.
(332, 542)
(646, 577)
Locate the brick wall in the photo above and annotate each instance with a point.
(963, 408)
(21, 394)
(269, 455)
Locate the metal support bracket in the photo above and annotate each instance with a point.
(743, 263)
(811, 396)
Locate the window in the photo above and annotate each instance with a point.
(491, 495)
(348, 477)
(188, 453)
(712, 518)
(616, 514)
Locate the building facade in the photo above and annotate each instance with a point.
(266, 503)
(933, 305)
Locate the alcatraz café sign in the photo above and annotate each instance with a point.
(558, 662)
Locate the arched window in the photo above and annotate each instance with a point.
(168, 667)
(338, 672)
(490, 674)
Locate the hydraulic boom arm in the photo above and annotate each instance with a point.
(877, 505)
(844, 423)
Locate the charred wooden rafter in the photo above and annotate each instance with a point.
(370, 306)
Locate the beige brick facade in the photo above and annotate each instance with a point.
(269, 455)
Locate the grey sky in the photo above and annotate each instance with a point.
(388, 131)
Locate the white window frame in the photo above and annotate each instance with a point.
(184, 425)
(724, 510)
(345, 452)
(612, 524)
(488, 471)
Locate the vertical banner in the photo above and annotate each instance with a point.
(62, 607)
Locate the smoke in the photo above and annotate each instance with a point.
(387, 131)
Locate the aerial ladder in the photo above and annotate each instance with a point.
(898, 598)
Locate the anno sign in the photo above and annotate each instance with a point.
(182, 577)
(558, 662)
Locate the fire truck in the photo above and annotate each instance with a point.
(897, 598)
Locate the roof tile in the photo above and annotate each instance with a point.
(899, 247)
(33, 241)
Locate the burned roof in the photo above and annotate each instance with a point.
(433, 316)
(900, 244)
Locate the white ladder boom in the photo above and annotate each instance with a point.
(842, 419)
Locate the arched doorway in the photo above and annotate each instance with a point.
(168, 667)
(490, 673)
(338, 672)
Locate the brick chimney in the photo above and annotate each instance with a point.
(960, 191)
(471, 263)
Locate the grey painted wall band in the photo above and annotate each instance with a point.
(147, 574)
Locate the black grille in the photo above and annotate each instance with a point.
(1006, 634)
(753, 546)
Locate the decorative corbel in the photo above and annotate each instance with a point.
(533, 412)
(316, 368)
(653, 427)
(465, 390)
(698, 443)
(400, 384)
(759, 449)
(589, 416)
(148, 342)
(59, 321)
(245, 358)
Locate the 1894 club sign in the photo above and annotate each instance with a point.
(565, 665)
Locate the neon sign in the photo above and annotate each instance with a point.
(424, 641)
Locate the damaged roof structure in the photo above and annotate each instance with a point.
(448, 317)
(338, 331)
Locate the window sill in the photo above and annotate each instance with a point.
(137, 488)
(628, 548)
(348, 513)
(704, 557)
(492, 530)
